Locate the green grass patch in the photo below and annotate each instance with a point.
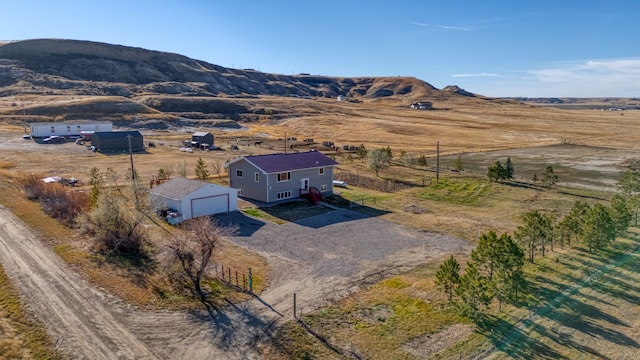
(259, 213)
(458, 190)
(376, 323)
(395, 283)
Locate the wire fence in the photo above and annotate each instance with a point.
(384, 185)
(233, 277)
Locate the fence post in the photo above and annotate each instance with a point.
(236, 278)
(229, 271)
(244, 282)
(294, 306)
(250, 281)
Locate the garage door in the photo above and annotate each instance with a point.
(210, 205)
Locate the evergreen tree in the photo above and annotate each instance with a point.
(473, 291)
(387, 151)
(162, 174)
(508, 167)
(496, 172)
(571, 226)
(448, 276)
(620, 213)
(422, 161)
(629, 186)
(599, 228)
(500, 260)
(535, 232)
(202, 172)
(549, 178)
(488, 254)
(509, 277)
(362, 152)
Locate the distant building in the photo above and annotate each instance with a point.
(117, 141)
(202, 139)
(342, 98)
(425, 105)
(67, 129)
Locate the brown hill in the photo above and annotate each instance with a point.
(90, 68)
(81, 79)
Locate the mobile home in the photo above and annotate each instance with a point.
(67, 129)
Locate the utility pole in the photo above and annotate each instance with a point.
(133, 173)
(437, 161)
(285, 142)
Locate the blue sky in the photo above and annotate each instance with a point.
(558, 48)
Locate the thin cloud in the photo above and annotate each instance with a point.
(446, 27)
(452, 27)
(482, 74)
(582, 78)
(591, 71)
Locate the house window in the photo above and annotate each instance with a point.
(323, 187)
(240, 192)
(285, 176)
(68, 128)
(53, 129)
(78, 128)
(257, 177)
(238, 173)
(321, 171)
(283, 195)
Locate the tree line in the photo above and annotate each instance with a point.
(495, 270)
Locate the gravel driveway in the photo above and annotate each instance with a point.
(324, 257)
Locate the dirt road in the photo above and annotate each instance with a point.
(88, 323)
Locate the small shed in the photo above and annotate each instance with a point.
(193, 198)
(201, 139)
(116, 141)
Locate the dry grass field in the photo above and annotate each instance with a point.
(589, 149)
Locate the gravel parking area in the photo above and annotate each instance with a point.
(324, 257)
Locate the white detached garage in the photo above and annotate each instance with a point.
(193, 198)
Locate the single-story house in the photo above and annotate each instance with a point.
(67, 129)
(192, 198)
(200, 139)
(425, 105)
(275, 177)
(117, 141)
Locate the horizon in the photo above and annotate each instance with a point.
(547, 49)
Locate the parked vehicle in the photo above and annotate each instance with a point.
(55, 139)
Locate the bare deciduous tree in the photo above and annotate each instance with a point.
(182, 169)
(116, 220)
(216, 167)
(189, 254)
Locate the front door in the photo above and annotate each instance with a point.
(304, 184)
